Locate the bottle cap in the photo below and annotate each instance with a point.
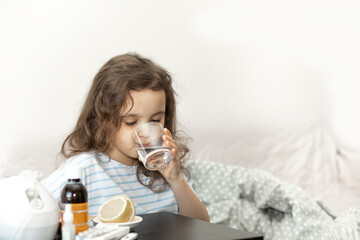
(68, 215)
(73, 171)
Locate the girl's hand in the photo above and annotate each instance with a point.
(172, 170)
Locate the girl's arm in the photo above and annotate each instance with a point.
(189, 204)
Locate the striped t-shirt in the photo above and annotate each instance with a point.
(104, 177)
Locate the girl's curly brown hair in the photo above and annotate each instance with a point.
(100, 116)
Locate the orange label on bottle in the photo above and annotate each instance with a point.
(81, 216)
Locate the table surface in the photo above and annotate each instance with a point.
(165, 225)
(170, 226)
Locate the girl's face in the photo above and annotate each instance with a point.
(149, 106)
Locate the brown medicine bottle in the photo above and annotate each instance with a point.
(74, 192)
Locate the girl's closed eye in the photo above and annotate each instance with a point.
(130, 123)
(156, 120)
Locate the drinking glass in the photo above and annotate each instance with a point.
(148, 142)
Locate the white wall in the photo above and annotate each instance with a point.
(233, 62)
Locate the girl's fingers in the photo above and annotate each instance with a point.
(167, 137)
(167, 131)
(171, 145)
(169, 141)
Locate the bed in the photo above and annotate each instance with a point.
(286, 181)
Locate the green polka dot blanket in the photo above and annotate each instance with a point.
(255, 201)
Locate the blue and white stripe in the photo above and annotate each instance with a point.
(104, 178)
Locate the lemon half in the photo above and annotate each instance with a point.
(117, 209)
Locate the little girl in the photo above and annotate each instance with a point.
(127, 91)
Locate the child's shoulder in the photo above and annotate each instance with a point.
(85, 159)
